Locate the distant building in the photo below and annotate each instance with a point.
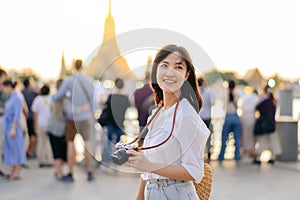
(108, 63)
(254, 78)
(63, 70)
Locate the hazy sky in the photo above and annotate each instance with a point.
(236, 35)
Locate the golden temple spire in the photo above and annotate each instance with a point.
(109, 27)
(109, 11)
(109, 63)
(63, 69)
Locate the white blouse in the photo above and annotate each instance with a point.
(185, 147)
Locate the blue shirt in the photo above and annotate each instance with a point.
(80, 89)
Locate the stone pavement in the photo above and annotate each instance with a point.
(231, 181)
(253, 182)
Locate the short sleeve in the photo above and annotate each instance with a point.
(192, 136)
(17, 109)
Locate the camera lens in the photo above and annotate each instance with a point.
(119, 157)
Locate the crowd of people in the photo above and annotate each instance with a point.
(50, 121)
(248, 127)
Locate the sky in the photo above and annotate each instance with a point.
(236, 35)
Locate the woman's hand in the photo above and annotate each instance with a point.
(12, 133)
(1, 111)
(85, 108)
(139, 161)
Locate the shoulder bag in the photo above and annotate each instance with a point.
(203, 188)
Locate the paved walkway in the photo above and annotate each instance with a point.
(230, 182)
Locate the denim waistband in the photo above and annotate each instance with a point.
(165, 181)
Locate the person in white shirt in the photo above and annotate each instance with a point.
(170, 169)
(41, 115)
(249, 102)
(205, 111)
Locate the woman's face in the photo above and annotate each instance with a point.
(7, 89)
(171, 73)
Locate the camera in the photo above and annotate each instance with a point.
(120, 156)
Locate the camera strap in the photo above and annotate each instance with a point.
(147, 125)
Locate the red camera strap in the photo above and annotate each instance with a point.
(147, 125)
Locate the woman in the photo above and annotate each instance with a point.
(57, 131)
(41, 115)
(116, 105)
(249, 101)
(170, 169)
(232, 123)
(14, 153)
(205, 112)
(267, 138)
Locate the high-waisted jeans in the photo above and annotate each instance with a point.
(170, 189)
(232, 123)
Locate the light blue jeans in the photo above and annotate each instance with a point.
(170, 190)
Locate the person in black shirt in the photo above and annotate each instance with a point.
(116, 105)
(144, 103)
(29, 95)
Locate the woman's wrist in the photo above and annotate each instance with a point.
(153, 167)
(139, 197)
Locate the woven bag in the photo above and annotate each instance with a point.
(203, 188)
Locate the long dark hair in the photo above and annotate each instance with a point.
(189, 89)
(268, 91)
(231, 86)
(10, 83)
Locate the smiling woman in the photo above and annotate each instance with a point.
(176, 135)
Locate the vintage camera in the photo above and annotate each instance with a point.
(120, 156)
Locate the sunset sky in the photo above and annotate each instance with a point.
(236, 35)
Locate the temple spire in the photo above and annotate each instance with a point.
(148, 66)
(63, 69)
(109, 27)
(109, 8)
(109, 63)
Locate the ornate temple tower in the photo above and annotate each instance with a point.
(108, 63)
(63, 69)
(149, 65)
